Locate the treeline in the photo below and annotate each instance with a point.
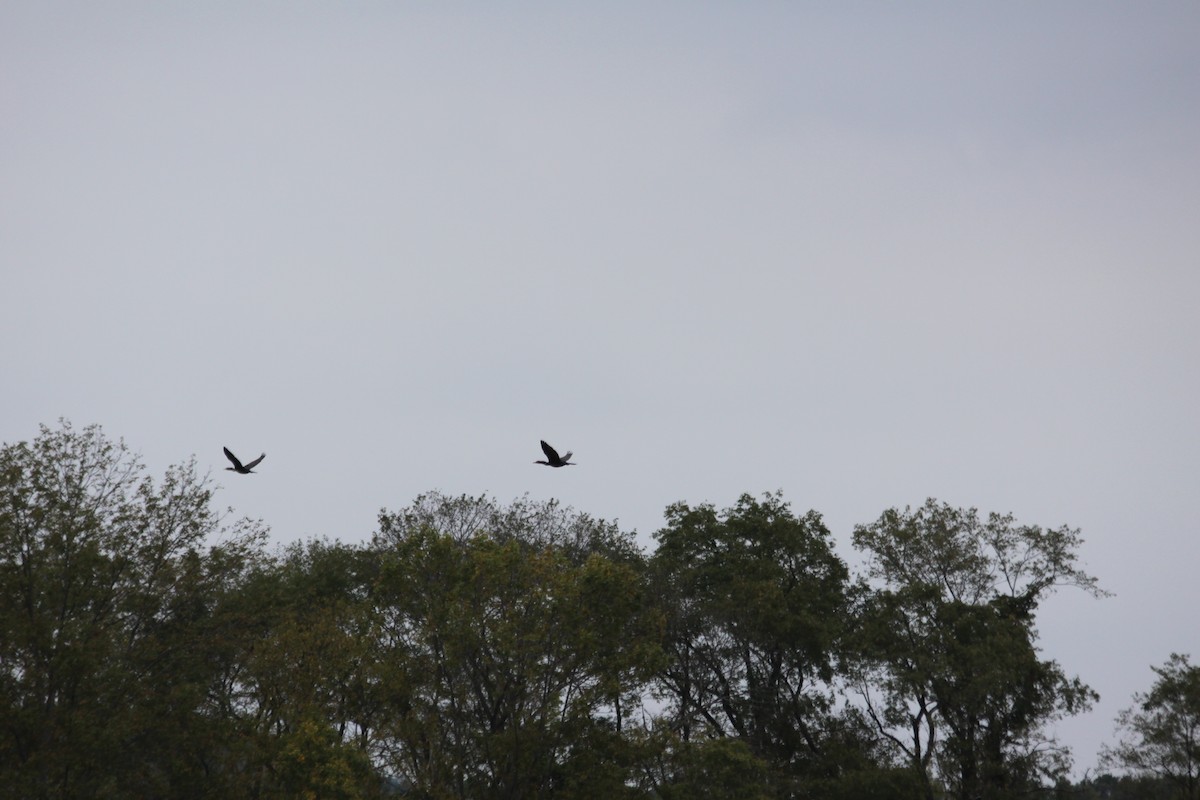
(149, 647)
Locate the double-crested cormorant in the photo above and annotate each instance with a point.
(555, 460)
(237, 465)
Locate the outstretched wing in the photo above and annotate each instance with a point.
(567, 457)
(236, 464)
(254, 463)
(550, 452)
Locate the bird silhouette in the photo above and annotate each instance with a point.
(555, 460)
(237, 465)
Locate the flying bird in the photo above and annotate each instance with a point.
(554, 459)
(237, 465)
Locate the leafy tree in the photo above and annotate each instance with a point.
(754, 598)
(302, 688)
(1110, 787)
(111, 629)
(720, 769)
(950, 674)
(537, 525)
(474, 650)
(310, 761)
(506, 663)
(1161, 733)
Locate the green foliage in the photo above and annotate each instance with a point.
(502, 655)
(110, 606)
(1161, 732)
(475, 650)
(311, 762)
(948, 668)
(878, 782)
(1123, 787)
(969, 559)
(713, 769)
(537, 525)
(755, 600)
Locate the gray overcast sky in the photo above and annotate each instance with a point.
(865, 253)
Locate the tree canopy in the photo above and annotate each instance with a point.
(472, 649)
(947, 666)
(1160, 733)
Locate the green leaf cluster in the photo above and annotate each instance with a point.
(478, 650)
(1160, 734)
